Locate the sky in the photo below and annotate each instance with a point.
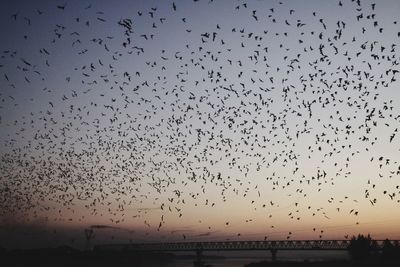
(158, 121)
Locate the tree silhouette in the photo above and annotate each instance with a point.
(390, 251)
(362, 247)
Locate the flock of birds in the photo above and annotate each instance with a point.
(280, 100)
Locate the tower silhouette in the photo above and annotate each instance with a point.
(89, 236)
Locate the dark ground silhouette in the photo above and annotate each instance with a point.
(66, 256)
(363, 251)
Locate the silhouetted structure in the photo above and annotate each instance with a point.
(358, 248)
(364, 252)
(88, 236)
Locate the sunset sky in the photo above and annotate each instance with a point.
(155, 121)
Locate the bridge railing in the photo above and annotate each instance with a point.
(241, 245)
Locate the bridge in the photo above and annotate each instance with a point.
(272, 245)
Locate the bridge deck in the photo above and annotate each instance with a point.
(239, 245)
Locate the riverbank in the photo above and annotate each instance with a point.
(67, 257)
(346, 263)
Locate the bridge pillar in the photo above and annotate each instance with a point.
(273, 254)
(199, 261)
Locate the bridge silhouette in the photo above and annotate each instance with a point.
(272, 245)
